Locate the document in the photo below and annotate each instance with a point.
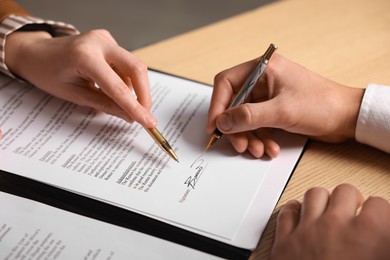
(220, 194)
(32, 230)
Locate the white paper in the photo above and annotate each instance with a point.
(32, 230)
(220, 194)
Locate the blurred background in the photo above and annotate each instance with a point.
(136, 23)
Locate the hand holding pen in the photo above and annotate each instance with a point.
(289, 97)
(245, 90)
(152, 131)
(70, 68)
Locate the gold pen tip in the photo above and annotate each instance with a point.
(211, 142)
(214, 138)
(173, 155)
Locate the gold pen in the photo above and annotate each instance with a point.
(162, 142)
(246, 88)
(153, 132)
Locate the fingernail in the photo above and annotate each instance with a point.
(291, 202)
(225, 122)
(209, 129)
(150, 119)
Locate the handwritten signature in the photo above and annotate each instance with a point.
(199, 165)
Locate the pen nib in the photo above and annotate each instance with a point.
(173, 155)
(168, 149)
(211, 142)
(216, 135)
(160, 140)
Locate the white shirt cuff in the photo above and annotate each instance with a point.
(373, 125)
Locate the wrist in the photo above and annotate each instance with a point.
(352, 102)
(20, 48)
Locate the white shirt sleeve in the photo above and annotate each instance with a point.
(373, 125)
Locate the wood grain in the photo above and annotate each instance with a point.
(347, 41)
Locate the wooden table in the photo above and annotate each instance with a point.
(347, 41)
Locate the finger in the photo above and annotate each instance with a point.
(344, 201)
(314, 204)
(288, 219)
(114, 87)
(250, 116)
(131, 67)
(375, 210)
(220, 100)
(123, 76)
(237, 75)
(239, 141)
(226, 84)
(93, 97)
(255, 145)
(261, 143)
(271, 147)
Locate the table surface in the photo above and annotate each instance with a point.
(347, 41)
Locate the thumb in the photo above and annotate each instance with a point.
(247, 117)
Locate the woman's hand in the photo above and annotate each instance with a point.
(89, 69)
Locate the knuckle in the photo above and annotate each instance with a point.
(285, 214)
(379, 201)
(221, 76)
(80, 51)
(120, 90)
(370, 222)
(147, 104)
(137, 111)
(77, 47)
(139, 66)
(98, 33)
(137, 108)
(315, 192)
(83, 45)
(345, 187)
(330, 225)
(106, 107)
(288, 209)
(245, 115)
(332, 218)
